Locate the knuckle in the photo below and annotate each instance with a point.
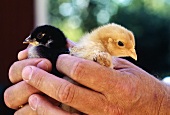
(39, 78)
(66, 93)
(78, 70)
(114, 110)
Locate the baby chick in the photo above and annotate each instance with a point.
(104, 42)
(47, 42)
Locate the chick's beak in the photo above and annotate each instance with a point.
(28, 40)
(133, 54)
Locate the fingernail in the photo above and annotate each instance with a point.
(33, 102)
(27, 73)
(43, 65)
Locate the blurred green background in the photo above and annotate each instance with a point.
(149, 20)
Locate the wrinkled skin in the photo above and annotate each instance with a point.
(124, 90)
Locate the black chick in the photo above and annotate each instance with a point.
(47, 42)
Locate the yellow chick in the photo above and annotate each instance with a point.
(100, 45)
(104, 42)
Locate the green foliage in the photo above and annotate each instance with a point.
(149, 20)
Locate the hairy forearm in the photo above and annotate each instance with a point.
(165, 105)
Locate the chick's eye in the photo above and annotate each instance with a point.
(120, 43)
(40, 35)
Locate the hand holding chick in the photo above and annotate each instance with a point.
(99, 46)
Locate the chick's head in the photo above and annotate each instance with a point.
(48, 36)
(117, 40)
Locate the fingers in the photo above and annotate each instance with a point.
(80, 98)
(88, 73)
(18, 94)
(26, 110)
(42, 106)
(38, 105)
(15, 70)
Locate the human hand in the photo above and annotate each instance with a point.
(126, 89)
(122, 67)
(19, 93)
